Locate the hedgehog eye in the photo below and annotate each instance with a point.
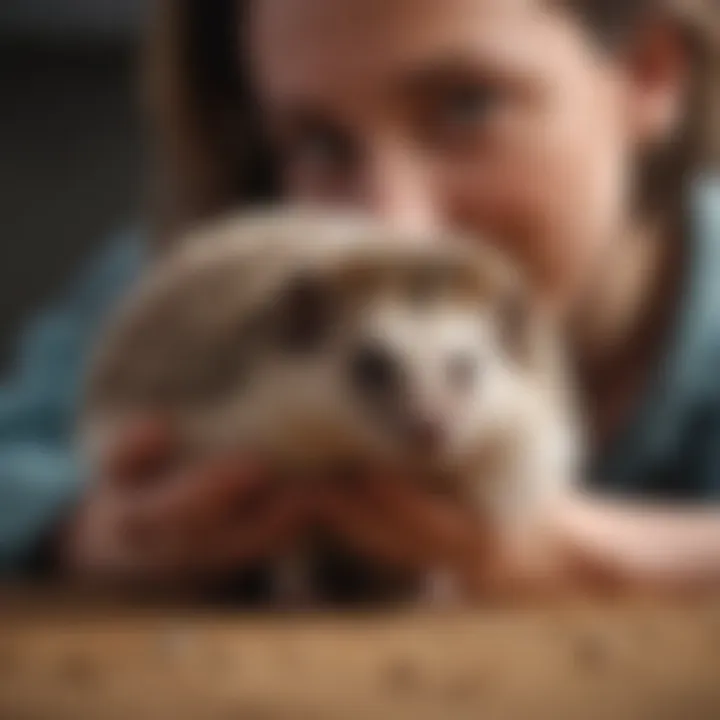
(305, 313)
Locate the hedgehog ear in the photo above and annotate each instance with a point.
(303, 314)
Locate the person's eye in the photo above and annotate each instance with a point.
(469, 104)
(464, 111)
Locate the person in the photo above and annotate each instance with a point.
(584, 136)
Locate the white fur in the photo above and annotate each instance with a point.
(510, 442)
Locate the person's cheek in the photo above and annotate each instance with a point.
(589, 201)
(509, 199)
(545, 203)
(586, 193)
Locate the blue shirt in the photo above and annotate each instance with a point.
(669, 448)
(39, 477)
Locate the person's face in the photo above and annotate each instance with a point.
(490, 116)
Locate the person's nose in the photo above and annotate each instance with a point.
(396, 186)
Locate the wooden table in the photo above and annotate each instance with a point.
(73, 660)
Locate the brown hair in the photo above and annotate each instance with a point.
(666, 171)
(207, 140)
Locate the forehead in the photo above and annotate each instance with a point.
(311, 44)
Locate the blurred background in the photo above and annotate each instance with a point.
(69, 142)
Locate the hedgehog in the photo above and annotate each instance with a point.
(327, 343)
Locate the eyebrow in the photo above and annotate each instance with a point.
(440, 71)
(419, 76)
(437, 73)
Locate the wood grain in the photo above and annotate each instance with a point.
(60, 659)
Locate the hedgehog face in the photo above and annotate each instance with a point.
(427, 359)
(400, 363)
(370, 349)
(431, 383)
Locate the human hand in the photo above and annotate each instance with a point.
(393, 521)
(149, 521)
